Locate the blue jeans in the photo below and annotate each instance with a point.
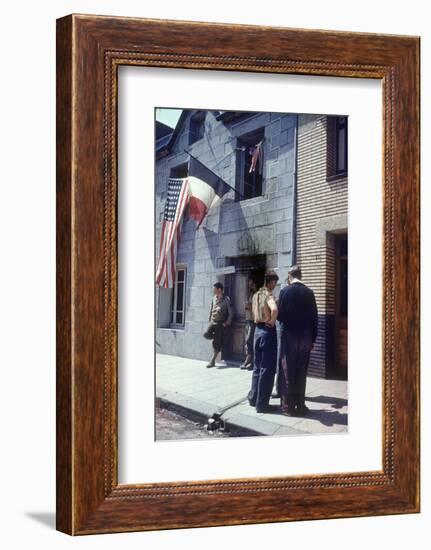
(264, 365)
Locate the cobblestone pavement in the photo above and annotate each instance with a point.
(189, 386)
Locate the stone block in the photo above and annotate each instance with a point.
(286, 182)
(289, 121)
(275, 141)
(282, 200)
(249, 125)
(285, 226)
(196, 294)
(251, 210)
(228, 148)
(271, 185)
(273, 168)
(271, 261)
(271, 155)
(275, 127)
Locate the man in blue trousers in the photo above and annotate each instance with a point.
(297, 313)
(265, 313)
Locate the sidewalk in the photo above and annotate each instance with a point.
(186, 385)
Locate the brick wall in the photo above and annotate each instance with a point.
(321, 213)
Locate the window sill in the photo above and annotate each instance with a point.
(172, 329)
(253, 200)
(336, 177)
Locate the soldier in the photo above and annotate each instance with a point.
(265, 344)
(298, 318)
(220, 317)
(249, 324)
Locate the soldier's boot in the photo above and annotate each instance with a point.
(212, 360)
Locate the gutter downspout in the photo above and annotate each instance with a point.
(295, 193)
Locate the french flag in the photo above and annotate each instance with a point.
(206, 190)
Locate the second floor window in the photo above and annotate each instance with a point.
(249, 180)
(337, 147)
(341, 145)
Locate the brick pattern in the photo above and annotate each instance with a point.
(318, 199)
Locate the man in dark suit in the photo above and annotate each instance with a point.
(297, 313)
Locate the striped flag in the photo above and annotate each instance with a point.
(176, 202)
(206, 190)
(256, 156)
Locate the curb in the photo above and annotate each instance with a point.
(200, 411)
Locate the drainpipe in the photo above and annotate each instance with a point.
(294, 192)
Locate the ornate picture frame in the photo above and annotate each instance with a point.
(89, 51)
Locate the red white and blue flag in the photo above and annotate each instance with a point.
(206, 190)
(176, 201)
(200, 191)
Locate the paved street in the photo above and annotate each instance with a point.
(186, 386)
(170, 425)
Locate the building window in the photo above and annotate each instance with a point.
(341, 145)
(249, 181)
(178, 299)
(337, 147)
(197, 127)
(172, 302)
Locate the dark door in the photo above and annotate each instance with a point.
(341, 307)
(236, 287)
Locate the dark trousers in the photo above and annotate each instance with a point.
(264, 365)
(294, 357)
(249, 337)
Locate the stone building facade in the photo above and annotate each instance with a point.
(257, 226)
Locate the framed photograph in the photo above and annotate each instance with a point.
(237, 274)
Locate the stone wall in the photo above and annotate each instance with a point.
(261, 225)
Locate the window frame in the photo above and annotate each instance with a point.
(242, 147)
(338, 128)
(174, 309)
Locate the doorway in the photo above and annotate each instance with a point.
(341, 307)
(236, 287)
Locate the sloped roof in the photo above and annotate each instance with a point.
(164, 144)
(162, 129)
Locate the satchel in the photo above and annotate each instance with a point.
(209, 334)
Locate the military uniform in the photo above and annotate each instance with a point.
(265, 349)
(221, 312)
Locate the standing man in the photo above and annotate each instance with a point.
(220, 317)
(297, 313)
(265, 344)
(249, 324)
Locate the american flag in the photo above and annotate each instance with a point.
(176, 202)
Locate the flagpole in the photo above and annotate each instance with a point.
(216, 175)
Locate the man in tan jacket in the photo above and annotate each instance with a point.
(265, 344)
